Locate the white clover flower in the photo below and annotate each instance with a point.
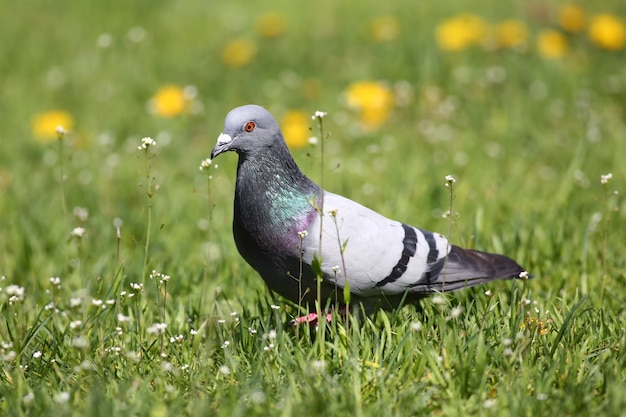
(318, 115)
(604, 179)
(146, 143)
(78, 232)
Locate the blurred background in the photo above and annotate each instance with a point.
(523, 101)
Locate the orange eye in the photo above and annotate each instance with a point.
(249, 127)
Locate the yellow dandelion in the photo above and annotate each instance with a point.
(169, 101)
(607, 31)
(271, 25)
(239, 52)
(373, 100)
(44, 125)
(511, 33)
(295, 127)
(384, 29)
(551, 44)
(461, 32)
(572, 18)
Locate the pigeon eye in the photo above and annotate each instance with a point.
(249, 127)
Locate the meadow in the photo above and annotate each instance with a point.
(122, 292)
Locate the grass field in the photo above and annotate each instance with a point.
(121, 290)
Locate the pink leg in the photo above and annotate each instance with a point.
(312, 318)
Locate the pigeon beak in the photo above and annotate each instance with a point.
(223, 140)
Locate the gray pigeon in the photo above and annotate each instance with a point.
(277, 231)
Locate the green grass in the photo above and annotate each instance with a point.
(528, 170)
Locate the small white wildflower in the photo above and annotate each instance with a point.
(167, 366)
(205, 164)
(336, 269)
(136, 286)
(271, 334)
(119, 331)
(318, 115)
(62, 397)
(75, 324)
(49, 306)
(450, 180)
(146, 143)
(455, 313)
(303, 234)
(438, 299)
(184, 367)
(313, 140)
(527, 301)
(60, 130)
(122, 318)
(28, 398)
(78, 232)
(415, 326)
(488, 293)
(221, 321)
(523, 275)
(75, 301)
(9, 356)
(268, 347)
(542, 397)
(110, 302)
(507, 341)
(37, 354)
(257, 397)
(275, 307)
(604, 179)
(193, 332)
(97, 302)
(225, 344)
(489, 403)
(81, 213)
(507, 351)
(251, 330)
(15, 290)
(157, 328)
(80, 342)
(56, 281)
(319, 365)
(224, 370)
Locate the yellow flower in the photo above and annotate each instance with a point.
(295, 127)
(551, 44)
(44, 125)
(607, 31)
(511, 33)
(169, 101)
(239, 52)
(373, 100)
(384, 29)
(460, 32)
(271, 25)
(572, 18)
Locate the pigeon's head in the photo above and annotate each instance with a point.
(247, 129)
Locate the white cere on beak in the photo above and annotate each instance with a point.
(224, 138)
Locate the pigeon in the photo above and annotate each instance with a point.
(280, 217)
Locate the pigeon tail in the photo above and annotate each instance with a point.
(464, 268)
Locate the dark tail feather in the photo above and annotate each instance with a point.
(466, 268)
